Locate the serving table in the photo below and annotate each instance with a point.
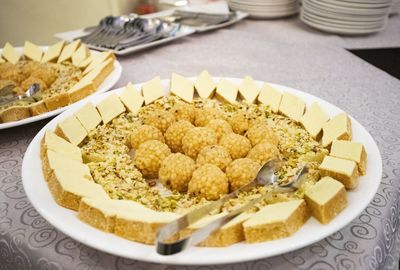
(279, 51)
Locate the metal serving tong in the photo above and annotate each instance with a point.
(6, 91)
(266, 176)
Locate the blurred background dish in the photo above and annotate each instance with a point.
(265, 9)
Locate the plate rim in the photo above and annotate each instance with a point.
(196, 254)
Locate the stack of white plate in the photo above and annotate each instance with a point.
(395, 7)
(265, 9)
(351, 17)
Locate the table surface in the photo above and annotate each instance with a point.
(280, 51)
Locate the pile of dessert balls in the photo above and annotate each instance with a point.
(202, 151)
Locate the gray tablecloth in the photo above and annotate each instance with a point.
(280, 51)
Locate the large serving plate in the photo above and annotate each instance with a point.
(67, 221)
(106, 85)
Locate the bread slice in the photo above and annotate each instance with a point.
(38, 108)
(338, 128)
(314, 119)
(14, 113)
(271, 97)
(152, 90)
(57, 101)
(80, 54)
(110, 108)
(71, 130)
(100, 72)
(352, 151)
(326, 199)
(343, 170)
(10, 54)
(276, 221)
(68, 51)
(248, 90)
(57, 144)
(88, 116)
(204, 85)
(182, 87)
(132, 99)
(52, 53)
(97, 60)
(292, 106)
(80, 90)
(226, 91)
(32, 51)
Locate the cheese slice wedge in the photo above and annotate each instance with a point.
(292, 106)
(182, 87)
(80, 54)
(68, 51)
(88, 116)
(204, 85)
(132, 99)
(87, 61)
(338, 128)
(248, 90)
(97, 60)
(72, 130)
(152, 90)
(80, 90)
(52, 53)
(100, 73)
(32, 51)
(227, 91)
(57, 144)
(314, 119)
(54, 160)
(10, 54)
(110, 108)
(351, 151)
(271, 97)
(340, 169)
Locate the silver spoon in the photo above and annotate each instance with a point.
(31, 92)
(266, 176)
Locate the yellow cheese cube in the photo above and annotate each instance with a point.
(292, 106)
(72, 130)
(182, 87)
(338, 128)
(326, 199)
(87, 61)
(2, 60)
(227, 91)
(80, 54)
(97, 60)
(131, 98)
(99, 73)
(52, 53)
(80, 90)
(313, 120)
(248, 90)
(10, 54)
(57, 144)
(204, 84)
(88, 116)
(32, 51)
(68, 51)
(152, 90)
(341, 169)
(110, 108)
(352, 151)
(271, 97)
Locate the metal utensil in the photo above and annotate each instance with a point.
(31, 92)
(266, 176)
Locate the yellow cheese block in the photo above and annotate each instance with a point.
(338, 128)
(32, 51)
(204, 85)
(271, 97)
(99, 74)
(55, 160)
(87, 61)
(88, 116)
(110, 108)
(72, 130)
(57, 144)
(227, 91)
(352, 151)
(182, 87)
(248, 90)
(81, 89)
(343, 170)
(276, 221)
(132, 99)
(52, 53)
(80, 54)
(10, 54)
(313, 120)
(292, 106)
(97, 60)
(326, 199)
(68, 51)
(2, 60)
(152, 90)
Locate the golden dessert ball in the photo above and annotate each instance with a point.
(196, 139)
(209, 182)
(145, 133)
(184, 111)
(176, 171)
(174, 134)
(148, 157)
(216, 155)
(237, 145)
(261, 133)
(160, 119)
(205, 115)
(263, 152)
(220, 127)
(241, 172)
(238, 122)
